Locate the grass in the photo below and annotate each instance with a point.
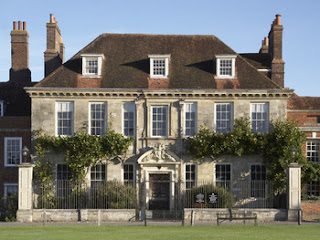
(159, 232)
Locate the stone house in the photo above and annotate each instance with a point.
(160, 89)
(15, 111)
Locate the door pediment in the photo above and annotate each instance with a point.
(158, 155)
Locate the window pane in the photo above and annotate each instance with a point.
(190, 176)
(64, 118)
(224, 113)
(159, 121)
(98, 119)
(190, 119)
(128, 118)
(13, 150)
(128, 174)
(259, 117)
(313, 150)
(223, 175)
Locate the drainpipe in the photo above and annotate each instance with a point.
(181, 104)
(137, 103)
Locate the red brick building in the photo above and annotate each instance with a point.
(15, 121)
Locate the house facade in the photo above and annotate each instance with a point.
(160, 89)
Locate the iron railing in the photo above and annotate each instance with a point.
(64, 194)
(227, 194)
(153, 195)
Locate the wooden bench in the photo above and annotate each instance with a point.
(237, 216)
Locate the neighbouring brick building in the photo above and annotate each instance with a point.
(15, 105)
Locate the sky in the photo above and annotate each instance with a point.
(242, 25)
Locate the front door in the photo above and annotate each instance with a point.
(159, 186)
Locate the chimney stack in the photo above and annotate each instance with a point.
(275, 51)
(54, 54)
(264, 48)
(20, 71)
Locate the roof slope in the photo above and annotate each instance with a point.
(303, 103)
(126, 64)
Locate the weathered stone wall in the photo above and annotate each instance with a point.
(263, 215)
(83, 215)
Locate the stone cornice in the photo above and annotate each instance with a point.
(156, 93)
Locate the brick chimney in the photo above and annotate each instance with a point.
(19, 70)
(275, 51)
(264, 48)
(54, 54)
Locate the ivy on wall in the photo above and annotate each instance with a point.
(275, 147)
(81, 150)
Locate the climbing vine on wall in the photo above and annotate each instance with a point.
(81, 151)
(275, 147)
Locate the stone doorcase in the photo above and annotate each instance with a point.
(160, 161)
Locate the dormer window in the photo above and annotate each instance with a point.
(1, 108)
(159, 66)
(91, 64)
(225, 66)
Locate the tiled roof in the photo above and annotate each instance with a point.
(303, 103)
(258, 60)
(17, 101)
(126, 64)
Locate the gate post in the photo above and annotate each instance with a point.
(293, 191)
(24, 213)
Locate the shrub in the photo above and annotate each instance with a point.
(8, 208)
(224, 198)
(116, 195)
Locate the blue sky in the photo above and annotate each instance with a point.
(240, 24)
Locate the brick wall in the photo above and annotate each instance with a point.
(305, 119)
(154, 83)
(88, 82)
(310, 210)
(12, 127)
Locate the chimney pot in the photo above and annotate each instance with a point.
(278, 18)
(24, 26)
(265, 41)
(14, 25)
(19, 24)
(51, 18)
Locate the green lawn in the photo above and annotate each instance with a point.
(159, 232)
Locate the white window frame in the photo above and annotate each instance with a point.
(1, 108)
(67, 170)
(193, 107)
(258, 164)
(154, 57)
(166, 121)
(312, 142)
(227, 183)
(7, 185)
(265, 106)
(87, 56)
(128, 107)
(6, 139)
(104, 121)
(231, 115)
(71, 105)
(133, 171)
(94, 183)
(258, 187)
(219, 58)
(195, 175)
